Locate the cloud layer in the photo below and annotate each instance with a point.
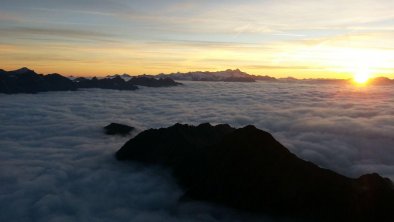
(57, 165)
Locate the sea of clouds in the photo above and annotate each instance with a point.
(56, 164)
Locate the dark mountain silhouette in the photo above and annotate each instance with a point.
(124, 76)
(27, 81)
(117, 82)
(118, 129)
(153, 82)
(248, 169)
(381, 81)
(106, 83)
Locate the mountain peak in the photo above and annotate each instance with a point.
(248, 169)
(23, 70)
(233, 70)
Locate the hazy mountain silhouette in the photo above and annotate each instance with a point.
(381, 81)
(222, 76)
(248, 169)
(237, 75)
(228, 75)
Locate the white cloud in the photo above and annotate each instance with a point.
(56, 164)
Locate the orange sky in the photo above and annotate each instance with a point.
(304, 39)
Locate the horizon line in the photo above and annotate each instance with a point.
(178, 72)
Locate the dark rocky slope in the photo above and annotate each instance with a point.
(248, 169)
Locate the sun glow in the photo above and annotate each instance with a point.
(361, 76)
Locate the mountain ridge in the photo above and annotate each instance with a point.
(228, 75)
(25, 80)
(248, 169)
(237, 75)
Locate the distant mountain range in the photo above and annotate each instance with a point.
(228, 75)
(25, 80)
(237, 75)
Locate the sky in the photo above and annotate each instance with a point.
(303, 39)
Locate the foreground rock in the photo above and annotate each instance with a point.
(27, 81)
(118, 129)
(248, 169)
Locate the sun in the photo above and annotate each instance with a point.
(361, 76)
